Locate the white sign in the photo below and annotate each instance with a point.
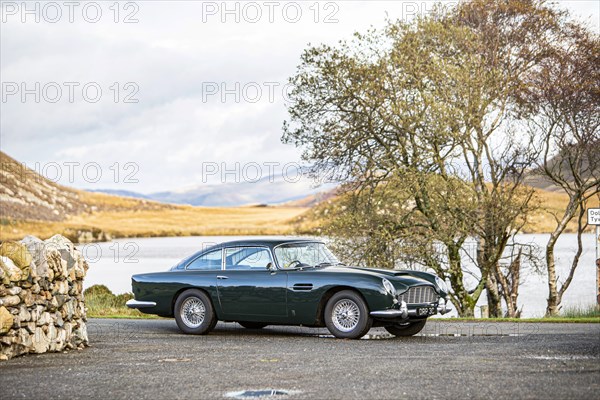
(594, 216)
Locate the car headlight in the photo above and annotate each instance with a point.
(441, 284)
(389, 287)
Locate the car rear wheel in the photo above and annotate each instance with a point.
(347, 315)
(194, 312)
(252, 325)
(406, 330)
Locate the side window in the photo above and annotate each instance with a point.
(247, 258)
(208, 261)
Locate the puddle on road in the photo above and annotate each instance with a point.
(261, 394)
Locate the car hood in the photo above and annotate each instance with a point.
(404, 277)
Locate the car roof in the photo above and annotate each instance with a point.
(267, 241)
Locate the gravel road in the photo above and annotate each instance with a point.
(150, 359)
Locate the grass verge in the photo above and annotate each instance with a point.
(102, 303)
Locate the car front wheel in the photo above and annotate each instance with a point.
(406, 330)
(194, 312)
(347, 315)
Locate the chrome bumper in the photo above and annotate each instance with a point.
(443, 308)
(139, 304)
(403, 312)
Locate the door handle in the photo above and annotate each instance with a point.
(222, 277)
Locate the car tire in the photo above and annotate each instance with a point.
(347, 315)
(252, 325)
(194, 312)
(406, 330)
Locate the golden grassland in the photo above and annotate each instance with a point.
(127, 217)
(172, 221)
(552, 205)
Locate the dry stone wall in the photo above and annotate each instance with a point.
(41, 297)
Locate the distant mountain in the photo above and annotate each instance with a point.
(268, 190)
(122, 193)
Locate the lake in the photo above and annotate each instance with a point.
(113, 263)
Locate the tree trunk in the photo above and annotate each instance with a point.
(465, 302)
(553, 302)
(554, 297)
(493, 296)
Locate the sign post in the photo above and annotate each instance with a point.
(593, 218)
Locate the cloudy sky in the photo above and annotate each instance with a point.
(155, 95)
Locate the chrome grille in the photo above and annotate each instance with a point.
(419, 295)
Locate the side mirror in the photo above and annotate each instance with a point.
(271, 267)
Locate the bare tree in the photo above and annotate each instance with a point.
(566, 98)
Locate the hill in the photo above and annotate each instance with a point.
(32, 204)
(551, 205)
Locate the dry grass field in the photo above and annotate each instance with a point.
(552, 205)
(125, 217)
(32, 205)
(173, 221)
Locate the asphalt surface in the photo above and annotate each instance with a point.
(150, 359)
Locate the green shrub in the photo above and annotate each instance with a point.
(101, 302)
(96, 290)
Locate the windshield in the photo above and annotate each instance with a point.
(294, 255)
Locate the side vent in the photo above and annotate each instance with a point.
(302, 287)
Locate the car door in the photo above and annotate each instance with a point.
(248, 290)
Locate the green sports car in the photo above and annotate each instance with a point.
(288, 282)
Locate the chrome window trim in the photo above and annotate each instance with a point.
(260, 246)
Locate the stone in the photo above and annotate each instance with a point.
(37, 249)
(61, 300)
(58, 319)
(53, 306)
(10, 301)
(30, 326)
(6, 320)
(41, 341)
(14, 290)
(44, 319)
(24, 314)
(25, 338)
(35, 289)
(27, 297)
(18, 253)
(11, 272)
(61, 287)
(36, 312)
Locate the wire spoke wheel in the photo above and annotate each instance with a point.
(193, 312)
(345, 315)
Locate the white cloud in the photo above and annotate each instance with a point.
(171, 55)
